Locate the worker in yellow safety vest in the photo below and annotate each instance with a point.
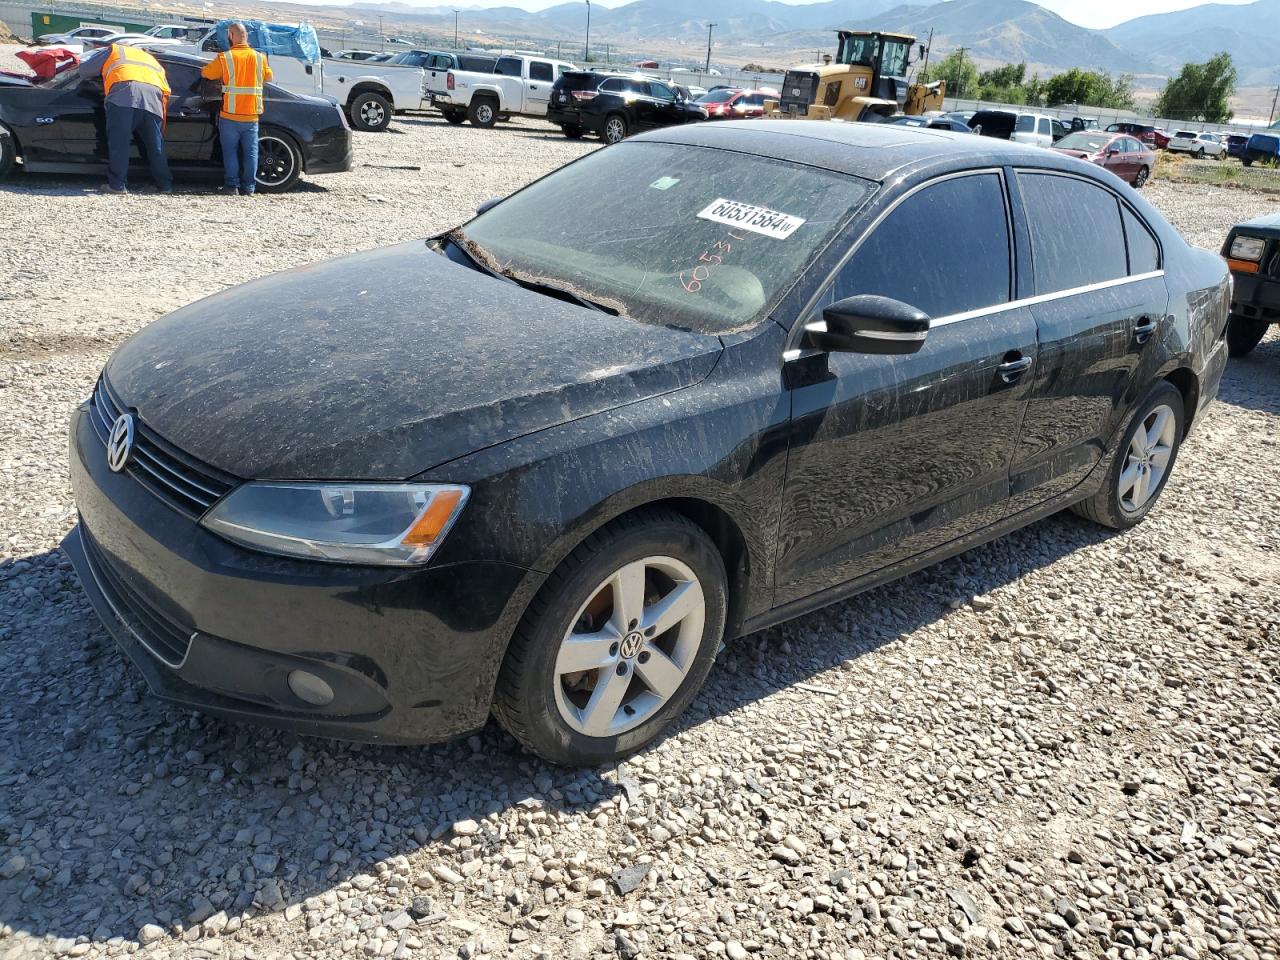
(243, 71)
(136, 94)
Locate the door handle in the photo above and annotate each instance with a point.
(1011, 370)
(1145, 328)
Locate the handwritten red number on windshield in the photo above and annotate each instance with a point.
(690, 286)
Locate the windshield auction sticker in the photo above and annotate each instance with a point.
(747, 216)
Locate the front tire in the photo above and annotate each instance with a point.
(617, 642)
(279, 162)
(482, 112)
(1243, 334)
(1141, 464)
(371, 112)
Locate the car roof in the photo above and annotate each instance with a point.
(1270, 221)
(873, 151)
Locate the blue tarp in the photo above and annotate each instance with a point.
(276, 39)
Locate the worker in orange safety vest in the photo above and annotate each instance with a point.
(136, 93)
(243, 71)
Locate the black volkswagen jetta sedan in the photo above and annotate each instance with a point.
(674, 392)
(59, 125)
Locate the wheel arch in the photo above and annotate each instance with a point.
(1187, 384)
(369, 86)
(6, 128)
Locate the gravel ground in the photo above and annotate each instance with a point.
(1065, 743)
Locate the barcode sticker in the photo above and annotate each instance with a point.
(748, 216)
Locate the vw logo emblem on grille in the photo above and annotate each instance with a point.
(120, 442)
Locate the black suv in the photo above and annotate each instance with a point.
(614, 106)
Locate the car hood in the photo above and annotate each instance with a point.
(384, 364)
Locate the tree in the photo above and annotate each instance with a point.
(958, 71)
(1004, 84)
(1202, 91)
(1089, 88)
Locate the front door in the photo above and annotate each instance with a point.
(892, 456)
(1101, 302)
(190, 125)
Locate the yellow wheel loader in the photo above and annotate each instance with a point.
(866, 81)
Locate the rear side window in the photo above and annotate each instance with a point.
(477, 64)
(540, 70)
(1076, 236)
(962, 222)
(508, 67)
(660, 91)
(1144, 252)
(613, 85)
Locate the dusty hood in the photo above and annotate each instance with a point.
(385, 364)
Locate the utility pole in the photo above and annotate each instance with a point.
(709, 26)
(382, 37)
(586, 47)
(455, 30)
(960, 74)
(1272, 115)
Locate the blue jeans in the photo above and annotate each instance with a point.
(239, 153)
(122, 124)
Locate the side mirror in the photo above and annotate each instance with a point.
(488, 204)
(867, 324)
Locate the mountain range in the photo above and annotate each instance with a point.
(993, 31)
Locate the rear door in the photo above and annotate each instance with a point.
(542, 76)
(1101, 303)
(509, 75)
(892, 456)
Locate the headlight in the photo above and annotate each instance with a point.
(382, 523)
(1248, 248)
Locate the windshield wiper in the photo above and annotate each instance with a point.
(561, 293)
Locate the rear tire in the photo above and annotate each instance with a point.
(1243, 334)
(615, 128)
(1141, 178)
(571, 131)
(456, 117)
(584, 681)
(370, 112)
(483, 112)
(8, 152)
(1199, 154)
(1141, 464)
(1247, 162)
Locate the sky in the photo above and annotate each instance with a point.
(1087, 13)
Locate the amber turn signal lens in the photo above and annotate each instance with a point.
(1242, 266)
(428, 527)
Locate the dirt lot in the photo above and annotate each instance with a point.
(1064, 743)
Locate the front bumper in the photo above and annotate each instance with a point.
(411, 654)
(1256, 296)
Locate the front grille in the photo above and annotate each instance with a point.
(156, 630)
(173, 476)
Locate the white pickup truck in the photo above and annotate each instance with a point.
(518, 86)
(369, 93)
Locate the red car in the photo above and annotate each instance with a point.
(733, 104)
(1125, 156)
(1151, 136)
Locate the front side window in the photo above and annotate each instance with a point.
(671, 234)
(1076, 236)
(540, 70)
(963, 223)
(1046, 127)
(893, 63)
(659, 91)
(858, 50)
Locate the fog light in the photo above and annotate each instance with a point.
(309, 688)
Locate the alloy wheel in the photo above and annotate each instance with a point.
(630, 647)
(614, 130)
(373, 114)
(1147, 459)
(275, 161)
(1141, 178)
(484, 113)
